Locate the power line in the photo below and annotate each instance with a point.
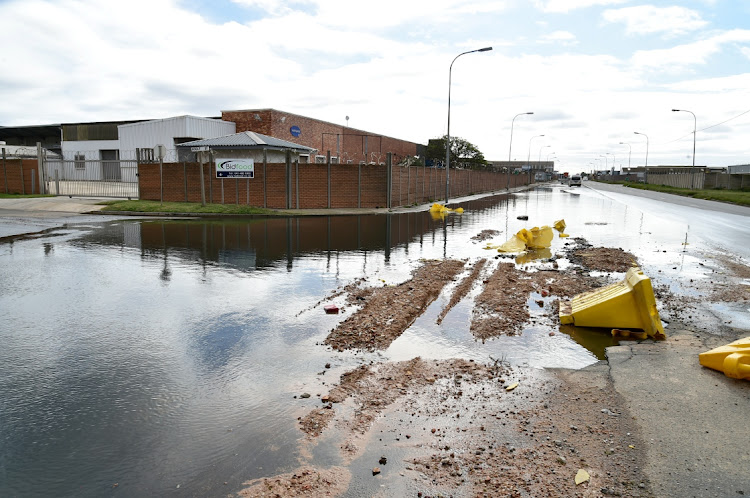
(707, 127)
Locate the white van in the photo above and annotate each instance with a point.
(575, 181)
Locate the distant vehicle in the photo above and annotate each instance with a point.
(575, 181)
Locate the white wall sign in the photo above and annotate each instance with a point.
(235, 168)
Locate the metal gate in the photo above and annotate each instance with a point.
(92, 178)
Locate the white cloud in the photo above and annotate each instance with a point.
(683, 56)
(564, 6)
(647, 19)
(565, 38)
(388, 13)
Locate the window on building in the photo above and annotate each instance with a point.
(79, 160)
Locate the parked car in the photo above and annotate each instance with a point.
(575, 181)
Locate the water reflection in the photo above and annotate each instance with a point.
(156, 353)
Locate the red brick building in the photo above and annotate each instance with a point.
(347, 145)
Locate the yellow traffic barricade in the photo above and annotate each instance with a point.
(629, 304)
(732, 359)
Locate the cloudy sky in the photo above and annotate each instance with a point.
(592, 71)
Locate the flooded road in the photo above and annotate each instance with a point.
(168, 357)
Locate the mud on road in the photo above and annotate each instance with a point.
(463, 428)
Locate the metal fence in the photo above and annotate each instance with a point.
(92, 178)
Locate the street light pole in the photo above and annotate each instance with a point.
(448, 134)
(528, 156)
(606, 164)
(645, 168)
(613, 161)
(540, 151)
(510, 147)
(695, 128)
(630, 149)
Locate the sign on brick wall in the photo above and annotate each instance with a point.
(235, 168)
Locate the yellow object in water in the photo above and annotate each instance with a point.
(629, 304)
(439, 211)
(559, 225)
(540, 237)
(514, 244)
(732, 359)
(536, 238)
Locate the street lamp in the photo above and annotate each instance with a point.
(645, 167)
(695, 126)
(606, 164)
(630, 149)
(613, 161)
(540, 151)
(528, 156)
(549, 155)
(510, 147)
(448, 141)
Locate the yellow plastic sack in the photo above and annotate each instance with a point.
(540, 237)
(514, 244)
(559, 225)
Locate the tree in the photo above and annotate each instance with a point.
(463, 152)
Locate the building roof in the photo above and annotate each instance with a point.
(247, 140)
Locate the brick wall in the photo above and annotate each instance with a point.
(351, 185)
(16, 176)
(323, 136)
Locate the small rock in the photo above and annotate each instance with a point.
(304, 395)
(328, 365)
(383, 460)
(562, 460)
(376, 471)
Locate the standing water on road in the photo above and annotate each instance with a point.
(168, 357)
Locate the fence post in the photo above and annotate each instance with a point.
(359, 185)
(5, 172)
(33, 180)
(296, 183)
(265, 163)
(23, 183)
(203, 183)
(161, 179)
(210, 177)
(328, 162)
(57, 181)
(184, 177)
(389, 179)
(288, 182)
(40, 168)
(408, 183)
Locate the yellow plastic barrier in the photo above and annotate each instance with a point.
(536, 238)
(438, 211)
(732, 359)
(629, 304)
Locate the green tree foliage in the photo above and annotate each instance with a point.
(463, 153)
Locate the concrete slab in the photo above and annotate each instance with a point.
(690, 416)
(57, 204)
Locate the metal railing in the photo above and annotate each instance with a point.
(92, 178)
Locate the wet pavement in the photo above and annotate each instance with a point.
(163, 357)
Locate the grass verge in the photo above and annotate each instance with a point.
(739, 197)
(182, 207)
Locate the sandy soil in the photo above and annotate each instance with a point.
(388, 311)
(463, 288)
(464, 428)
(306, 481)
